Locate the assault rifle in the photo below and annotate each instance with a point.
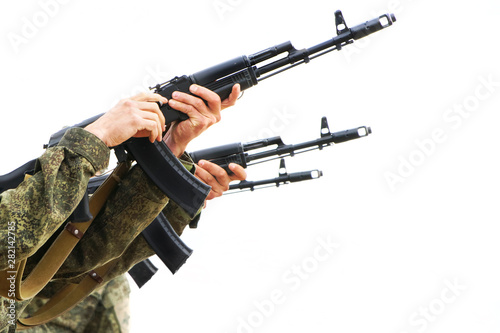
(283, 178)
(240, 153)
(156, 159)
(170, 248)
(243, 70)
(158, 162)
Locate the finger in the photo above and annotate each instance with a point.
(149, 97)
(212, 99)
(218, 172)
(152, 117)
(233, 97)
(203, 101)
(193, 106)
(146, 128)
(209, 179)
(153, 107)
(239, 172)
(160, 126)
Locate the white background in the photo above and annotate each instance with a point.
(411, 208)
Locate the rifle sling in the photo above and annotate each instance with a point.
(65, 242)
(67, 298)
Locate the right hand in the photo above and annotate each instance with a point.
(216, 177)
(201, 114)
(137, 117)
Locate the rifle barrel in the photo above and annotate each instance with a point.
(324, 141)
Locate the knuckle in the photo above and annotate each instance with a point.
(199, 104)
(212, 120)
(203, 122)
(135, 120)
(157, 109)
(213, 97)
(220, 173)
(155, 116)
(191, 109)
(128, 103)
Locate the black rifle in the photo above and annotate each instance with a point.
(243, 70)
(283, 178)
(170, 248)
(156, 159)
(239, 153)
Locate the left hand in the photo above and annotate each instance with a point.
(138, 116)
(215, 176)
(201, 115)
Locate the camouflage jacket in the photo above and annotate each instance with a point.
(40, 206)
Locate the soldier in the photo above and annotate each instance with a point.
(38, 207)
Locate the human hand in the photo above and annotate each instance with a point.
(215, 176)
(138, 117)
(201, 115)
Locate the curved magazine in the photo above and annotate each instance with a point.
(168, 173)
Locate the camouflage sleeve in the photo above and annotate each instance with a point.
(139, 249)
(116, 231)
(40, 204)
(127, 212)
(177, 217)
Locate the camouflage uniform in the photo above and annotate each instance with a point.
(40, 206)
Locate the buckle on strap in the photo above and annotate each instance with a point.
(73, 230)
(93, 274)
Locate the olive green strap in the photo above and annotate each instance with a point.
(55, 256)
(53, 259)
(67, 298)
